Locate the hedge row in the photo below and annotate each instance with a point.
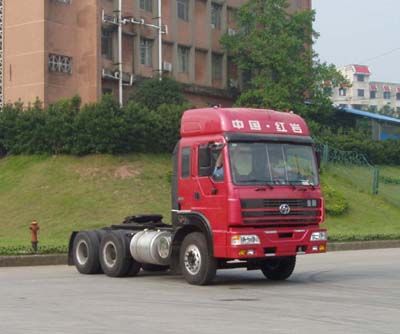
(377, 152)
(104, 127)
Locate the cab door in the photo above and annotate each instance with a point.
(185, 177)
(210, 193)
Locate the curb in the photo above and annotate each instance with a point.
(33, 260)
(62, 259)
(360, 245)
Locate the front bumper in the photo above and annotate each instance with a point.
(275, 242)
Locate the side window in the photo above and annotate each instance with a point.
(204, 160)
(185, 161)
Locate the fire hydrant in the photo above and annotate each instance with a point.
(34, 227)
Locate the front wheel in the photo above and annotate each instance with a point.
(198, 266)
(278, 269)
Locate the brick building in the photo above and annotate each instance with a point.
(52, 49)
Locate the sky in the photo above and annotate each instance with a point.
(362, 32)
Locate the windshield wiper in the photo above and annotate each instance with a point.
(301, 183)
(259, 182)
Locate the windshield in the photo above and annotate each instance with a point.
(271, 163)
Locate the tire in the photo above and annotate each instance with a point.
(85, 252)
(278, 269)
(154, 267)
(100, 234)
(198, 266)
(115, 258)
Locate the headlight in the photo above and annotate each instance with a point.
(318, 236)
(250, 239)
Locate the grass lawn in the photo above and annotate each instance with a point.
(66, 193)
(368, 216)
(391, 192)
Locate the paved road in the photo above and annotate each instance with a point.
(340, 292)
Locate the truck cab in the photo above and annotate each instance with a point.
(245, 193)
(250, 176)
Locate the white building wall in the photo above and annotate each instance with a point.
(351, 98)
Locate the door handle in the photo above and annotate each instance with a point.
(196, 195)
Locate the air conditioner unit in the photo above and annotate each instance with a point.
(65, 2)
(108, 19)
(167, 67)
(127, 79)
(233, 83)
(231, 32)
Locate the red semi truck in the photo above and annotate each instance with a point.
(245, 193)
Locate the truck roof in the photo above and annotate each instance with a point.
(207, 121)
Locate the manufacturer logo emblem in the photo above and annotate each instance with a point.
(284, 209)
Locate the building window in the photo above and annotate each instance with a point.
(372, 95)
(360, 92)
(107, 43)
(183, 59)
(217, 67)
(360, 77)
(398, 96)
(146, 5)
(386, 95)
(216, 13)
(342, 91)
(146, 52)
(183, 9)
(59, 63)
(373, 108)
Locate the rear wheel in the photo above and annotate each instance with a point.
(85, 252)
(198, 266)
(278, 269)
(115, 258)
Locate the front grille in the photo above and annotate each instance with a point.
(266, 211)
(275, 203)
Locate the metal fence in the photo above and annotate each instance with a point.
(355, 169)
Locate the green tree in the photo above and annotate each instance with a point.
(274, 47)
(153, 93)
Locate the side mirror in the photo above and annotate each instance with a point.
(216, 146)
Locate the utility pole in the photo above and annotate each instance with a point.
(159, 30)
(121, 97)
(119, 20)
(1, 55)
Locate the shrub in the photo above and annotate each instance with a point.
(335, 202)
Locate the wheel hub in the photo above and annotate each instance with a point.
(110, 254)
(82, 252)
(192, 259)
